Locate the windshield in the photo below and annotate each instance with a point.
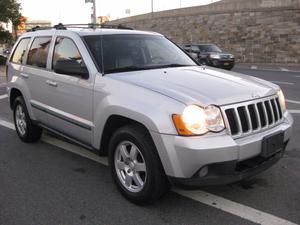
(129, 52)
(209, 48)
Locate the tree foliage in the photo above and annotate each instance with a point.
(10, 11)
(5, 36)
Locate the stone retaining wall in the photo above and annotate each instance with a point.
(256, 31)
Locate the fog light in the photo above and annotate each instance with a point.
(203, 171)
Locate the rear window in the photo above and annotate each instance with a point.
(19, 54)
(38, 52)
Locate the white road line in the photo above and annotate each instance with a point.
(234, 208)
(3, 96)
(294, 111)
(292, 101)
(281, 82)
(6, 124)
(253, 67)
(215, 201)
(284, 69)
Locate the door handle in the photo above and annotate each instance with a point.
(24, 75)
(51, 83)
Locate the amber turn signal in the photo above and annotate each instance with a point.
(180, 126)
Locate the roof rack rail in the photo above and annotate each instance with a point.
(61, 26)
(97, 25)
(36, 28)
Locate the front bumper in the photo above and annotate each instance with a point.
(230, 172)
(221, 63)
(227, 159)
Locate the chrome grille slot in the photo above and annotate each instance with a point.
(230, 115)
(269, 112)
(253, 116)
(250, 117)
(262, 114)
(279, 109)
(243, 119)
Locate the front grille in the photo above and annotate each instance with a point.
(249, 117)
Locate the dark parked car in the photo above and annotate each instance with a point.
(211, 55)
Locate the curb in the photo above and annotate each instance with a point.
(277, 69)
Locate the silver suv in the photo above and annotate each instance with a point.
(138, 98)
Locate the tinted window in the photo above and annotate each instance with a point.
(38, 53)
(19, 54)
(66, 50)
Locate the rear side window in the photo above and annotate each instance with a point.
(38, 52)
(19, 54)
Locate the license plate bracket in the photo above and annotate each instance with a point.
(272, 144)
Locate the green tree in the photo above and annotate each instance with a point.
(5, 37)
(10, 11)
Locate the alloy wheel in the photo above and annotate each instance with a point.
(130, 166)
(21, 120)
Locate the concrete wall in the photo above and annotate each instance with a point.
(256, 31)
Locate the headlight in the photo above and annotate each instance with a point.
(231, 56)
(215, 56)
(281, 99)
(198, 121)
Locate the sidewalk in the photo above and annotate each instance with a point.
(270, 67)
(2, 75)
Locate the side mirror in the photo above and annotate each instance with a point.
(71, 67)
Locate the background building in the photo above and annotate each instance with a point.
(34, 23)
(103, 19)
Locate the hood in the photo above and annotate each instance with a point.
(200, 85)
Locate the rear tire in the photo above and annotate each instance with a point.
(135, 165)
(27, 131)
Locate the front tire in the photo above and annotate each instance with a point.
(26, 129)
(135, 165)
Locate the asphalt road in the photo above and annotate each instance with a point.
(43, 184)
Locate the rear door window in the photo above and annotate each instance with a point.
(38, 52)
(19, 54)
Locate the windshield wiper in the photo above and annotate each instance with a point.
(173, 65)
(126, 69)
(135, 68)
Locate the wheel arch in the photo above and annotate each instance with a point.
(113, 123)
(14, 93)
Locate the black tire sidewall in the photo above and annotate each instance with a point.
(33, 132)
